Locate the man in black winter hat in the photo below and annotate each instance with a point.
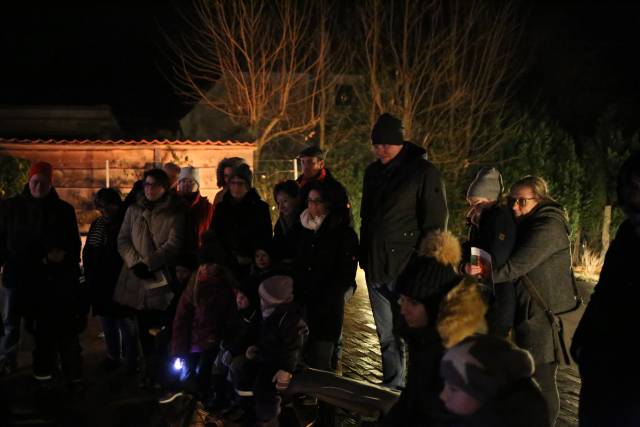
(403, 198)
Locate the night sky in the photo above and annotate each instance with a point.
(581, 57)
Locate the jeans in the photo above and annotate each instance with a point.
(545, 375)
(119, 330)
(11, 317)
(386, 313)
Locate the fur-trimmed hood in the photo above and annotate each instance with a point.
(462, 312)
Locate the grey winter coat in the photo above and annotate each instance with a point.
(542, 252)
(154, 237)
(401, 202)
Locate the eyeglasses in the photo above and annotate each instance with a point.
(520, 201)
(315, 201)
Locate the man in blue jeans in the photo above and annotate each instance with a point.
(403, 198)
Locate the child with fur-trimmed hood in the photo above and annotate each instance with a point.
(438, 308)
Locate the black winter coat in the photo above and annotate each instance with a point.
(542, 252)
(239, 226)
(102, 264)
(29, 229)
(242, 331)
(419, 401)
(324, 269)
(401, 202)
(281, 338)
(285, 241)
(611, 316)
(496, 234)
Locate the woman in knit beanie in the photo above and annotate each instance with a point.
(492, 229)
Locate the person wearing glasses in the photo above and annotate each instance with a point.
(150, 241)
(324, 269)
(542, 254)
(492, 228)
(223, 174)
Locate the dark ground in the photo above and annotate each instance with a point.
(115, 399)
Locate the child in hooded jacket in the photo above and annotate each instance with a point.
(488, 383)
(205, 307)
(271, 361)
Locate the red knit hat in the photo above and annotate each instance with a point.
(41, 168)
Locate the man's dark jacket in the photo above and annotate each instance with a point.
(29, 229)
(401, 202)
(542, 252)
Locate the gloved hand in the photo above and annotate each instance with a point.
(141, 270)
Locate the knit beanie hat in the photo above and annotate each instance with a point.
(41, 168)
(487, 184)
(276, 290)
(432, 273)
(243, 171)
(485, 366)
(189, 172)
(387, 130)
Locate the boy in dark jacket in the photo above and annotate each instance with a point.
(273, 359)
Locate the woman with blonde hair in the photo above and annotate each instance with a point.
(541, 260)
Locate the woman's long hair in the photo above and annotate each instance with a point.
(537, 185)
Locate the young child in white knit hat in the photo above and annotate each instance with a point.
(273, 359)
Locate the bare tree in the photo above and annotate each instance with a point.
(271, 57)
(442, 67)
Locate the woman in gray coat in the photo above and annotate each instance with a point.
(150, 240)
(541, 254)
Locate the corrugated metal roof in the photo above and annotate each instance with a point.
(122, 142)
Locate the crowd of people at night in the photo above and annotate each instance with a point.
(210, 299)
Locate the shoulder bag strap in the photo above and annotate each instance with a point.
(555, 321)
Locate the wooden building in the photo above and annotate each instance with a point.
(81, 167)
